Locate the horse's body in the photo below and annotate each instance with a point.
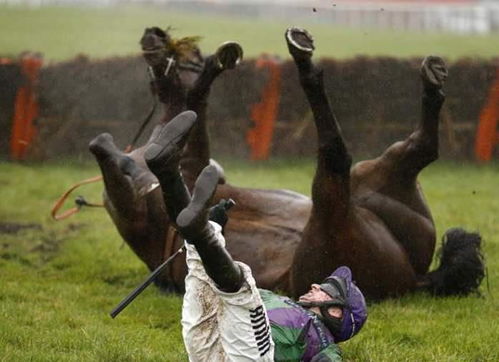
(380, 226)
(372, 217)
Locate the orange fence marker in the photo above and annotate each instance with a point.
(25, 108)
(487, 136)
(264, 113)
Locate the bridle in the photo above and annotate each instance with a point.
(171, 64)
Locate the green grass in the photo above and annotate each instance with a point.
(60, 280)
(62, 33)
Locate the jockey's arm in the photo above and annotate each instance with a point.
(330, 354)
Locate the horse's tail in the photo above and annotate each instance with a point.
(462, 265)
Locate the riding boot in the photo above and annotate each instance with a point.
(193, 224)
(162, 157)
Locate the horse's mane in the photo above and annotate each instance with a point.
(183, 48)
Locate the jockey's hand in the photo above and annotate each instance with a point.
(218, 213)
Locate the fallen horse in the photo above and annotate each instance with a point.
(372, 217)
(265, 225)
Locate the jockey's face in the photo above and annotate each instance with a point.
(316, 294)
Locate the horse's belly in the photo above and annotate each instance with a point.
(263, 231)
(267, 249)
(383, 265)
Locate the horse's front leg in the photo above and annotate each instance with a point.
(227, 56)
(196, 155)
(125, 182)
(133, 200)
(331, 184)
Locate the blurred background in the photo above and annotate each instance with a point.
(458, 16)
(371, 51)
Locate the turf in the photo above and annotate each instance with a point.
(61, 33)
(59, 280)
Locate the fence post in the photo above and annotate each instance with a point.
(487, 136)
(264, 112)
(25, 108)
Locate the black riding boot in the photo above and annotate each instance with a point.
(194, 226)
(162, 157)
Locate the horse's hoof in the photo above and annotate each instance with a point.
(128, 166)
(102, 145)
(433, 72)
(228, 55)
(169, 141)
(143, 181)
(300, 42)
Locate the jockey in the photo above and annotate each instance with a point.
(225, 317)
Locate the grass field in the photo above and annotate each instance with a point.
(59, 280)
(62, 33)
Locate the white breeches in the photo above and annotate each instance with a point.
(219, 326)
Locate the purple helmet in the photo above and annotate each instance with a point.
(354, 309)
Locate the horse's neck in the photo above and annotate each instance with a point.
(170, 110)
(196, 155)
(173, 102)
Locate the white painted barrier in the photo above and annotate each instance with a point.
(456, 16)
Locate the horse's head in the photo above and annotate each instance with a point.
(168, 57)
(154, 44)
(174, 65)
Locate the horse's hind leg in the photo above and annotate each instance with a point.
(331, 182)
(196, 155)
(403, 206)
(407, 158)
(329, 217)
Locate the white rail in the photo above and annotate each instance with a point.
(457, 16)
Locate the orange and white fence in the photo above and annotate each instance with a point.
(56, 110)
